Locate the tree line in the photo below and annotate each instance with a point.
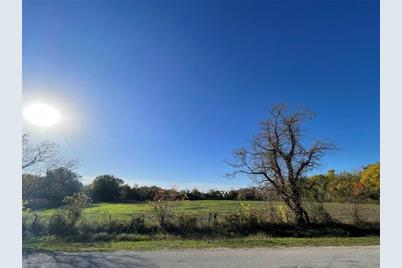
(50, 189)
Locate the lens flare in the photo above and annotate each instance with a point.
(41, 114)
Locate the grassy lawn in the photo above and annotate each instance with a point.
(247, 242)
(104, 211)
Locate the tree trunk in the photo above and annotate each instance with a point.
(301, 216)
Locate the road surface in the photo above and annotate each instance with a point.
(218, 258)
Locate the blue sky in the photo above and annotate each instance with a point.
(162, 92)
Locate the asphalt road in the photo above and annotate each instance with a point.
(218, 258)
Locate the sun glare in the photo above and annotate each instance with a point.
(41, 114)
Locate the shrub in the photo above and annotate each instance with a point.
(245, 221)
(187, 224)
(284, 214)
(163, 212)
(137, 225)
(102, 237)
(131, 237)
(163, 206)
(273, 214)
(74, 206)
(59, 225)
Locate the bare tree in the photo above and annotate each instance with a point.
(279, 158)
(38, 158)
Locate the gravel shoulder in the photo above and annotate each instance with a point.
(356, 256)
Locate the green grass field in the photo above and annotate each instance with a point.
(106, 211)
(102, 213)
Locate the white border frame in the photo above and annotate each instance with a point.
(391, 132)
(10, 134)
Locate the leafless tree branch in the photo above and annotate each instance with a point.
(278, 156)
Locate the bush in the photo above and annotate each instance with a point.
(162, 204)
(273, 214)
(59, 225)
(187, 224)
(102, 237)
(246, 221)
(74, 206)
(163, 212)
(137, 225)
(131, 237)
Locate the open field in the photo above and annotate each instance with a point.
(105, 211)
(105, 235)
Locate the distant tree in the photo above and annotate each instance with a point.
(126, 193)
(214, 195)
(182, 195)
(342, 186)
(319, 187)
(30, 185)
(250, 193)
(60, 182)
(278, 157)
(106, 188)
(331, 174)
(87, 190)
(232, 195)
(153, 192)
(358, 190)
(142, 193)
(195, 194)
(137, 194)
(50, 190)
(370, 178)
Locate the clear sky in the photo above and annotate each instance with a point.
(161, 92)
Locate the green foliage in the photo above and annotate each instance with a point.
(102, 237)
(74, 205)
(25, 206)
(106, 188)
(195, 194)
(126, 193)
(125, 212)
(162, 204)
(197, 219)
(187, 224)
(50, 190)
(63, 221)
(59, 224)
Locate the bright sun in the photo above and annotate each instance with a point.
(41, 114)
